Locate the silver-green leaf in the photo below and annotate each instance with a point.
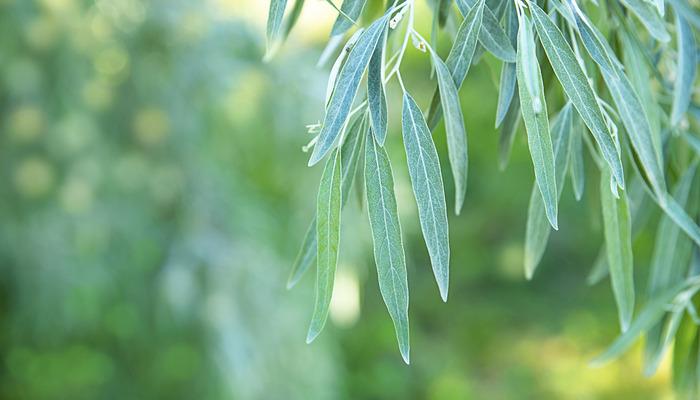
(328, 234)
(537, 125)
(386, 235)
(491, 36)
(649, 18)
(346, 88)
(456, 132)
(577, 88)
(376, 93)
(426, 180)
(618, 244)
(537, 227)
(686, 68)
(274, 25)
(351, 11)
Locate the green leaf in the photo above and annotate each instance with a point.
(650, 314)
(346, 88)
(536, 124)
(577, 88)
(386, 235)
(426, 179)
(685, 70)
(577, 168)
(537, 227)
(649, 18)
(689, 12)
(693, 141)
(618, 244)
(685, 358)
(506, 86)
(628, 104)
(349, 154)
(274, 25)
(670, 260)
(456, 133)
(460, 58)
(376, 93)
(328, 234)
(351, 11)
(528, 63)
(491, 36)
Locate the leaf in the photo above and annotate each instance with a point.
(491, 36)
(346, 88)
(680, 217)
(685, 69)
(685, 356)
(618, 244)
(576, 166)
(376, 93)
(507, 134)
(649, 315)
(506, 86)
(693, 141)
(537, 227)
(649, 18)
(328, 234)
(349, 154)
(670, 260)
(274, 25)
(689, 12)
(456, 133)
(460, 58)
(426, 180)
(386, 235)
(628, 104)
(536, 124)
(531, 75)
(335, 69)
(577, 88)
(351, 9)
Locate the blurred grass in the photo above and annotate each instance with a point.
(154, 195)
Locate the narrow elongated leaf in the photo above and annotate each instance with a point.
(618, 244)
(491, 36)
(536, 124)
(506, 86)
(531, 74)
(376, 94)
(338, 64)
(659, 338)
(690, 13)
(650, 314)
(328, 234)
(669, 263)
(460, 58)
(685, 69)
(639, 74)
(350, 152)
(274, 25)
(577, 88)
(350, 8)
(649, 18)
(680, 217)
(456, 132)
(293, 17)
(386, 235)
(576, 166)
(426, 179)
(628, 104)
(346, 88)
(537, 227)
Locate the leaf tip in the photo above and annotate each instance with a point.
(312, 335)
(405, 355)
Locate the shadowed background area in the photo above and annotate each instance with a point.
(154, 195)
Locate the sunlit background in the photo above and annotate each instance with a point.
(154, 194)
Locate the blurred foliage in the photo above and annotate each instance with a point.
(154, 194)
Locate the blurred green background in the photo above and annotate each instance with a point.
(155, 193)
